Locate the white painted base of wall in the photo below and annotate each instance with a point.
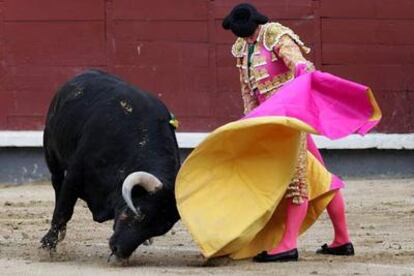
(192, 139)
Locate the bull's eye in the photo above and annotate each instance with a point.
(139, 217)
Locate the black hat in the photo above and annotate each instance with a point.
(243, 20)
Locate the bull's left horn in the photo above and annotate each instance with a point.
(146, 180)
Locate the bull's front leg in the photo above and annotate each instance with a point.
(66, 198)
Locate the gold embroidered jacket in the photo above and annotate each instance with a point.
(278, 50)
(277, 53)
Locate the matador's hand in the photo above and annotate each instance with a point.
(304, 68)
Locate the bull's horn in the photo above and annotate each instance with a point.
(146, 180)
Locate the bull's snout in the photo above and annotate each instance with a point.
(116, 257)
(122, 247)
(118, 251)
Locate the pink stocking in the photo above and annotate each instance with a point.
(336, 212)
(294, 218)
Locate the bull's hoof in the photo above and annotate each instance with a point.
(50, 240)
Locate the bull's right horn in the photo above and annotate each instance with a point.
(146, 180)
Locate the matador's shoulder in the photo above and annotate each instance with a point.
(273, 32)
(238, 47)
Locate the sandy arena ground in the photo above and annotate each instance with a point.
(381, 221)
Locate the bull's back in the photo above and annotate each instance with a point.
(95, 106)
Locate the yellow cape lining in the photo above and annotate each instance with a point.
(229, 190)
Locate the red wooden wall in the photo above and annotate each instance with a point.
(178, 51)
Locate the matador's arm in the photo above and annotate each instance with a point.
(249, 99)
(292, 56)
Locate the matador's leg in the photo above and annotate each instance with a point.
(336, 212)
(297, 202)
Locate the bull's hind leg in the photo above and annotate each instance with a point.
(66, 195)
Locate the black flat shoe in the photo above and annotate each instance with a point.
(287, 256)
(342, 250)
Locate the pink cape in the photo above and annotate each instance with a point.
(333, 106)
(230, 189)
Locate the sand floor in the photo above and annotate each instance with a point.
(380, 214)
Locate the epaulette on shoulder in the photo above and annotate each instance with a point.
(273, 32)
(238, 47)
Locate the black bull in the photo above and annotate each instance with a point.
(113, 146)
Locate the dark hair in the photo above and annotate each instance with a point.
(243, 20)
